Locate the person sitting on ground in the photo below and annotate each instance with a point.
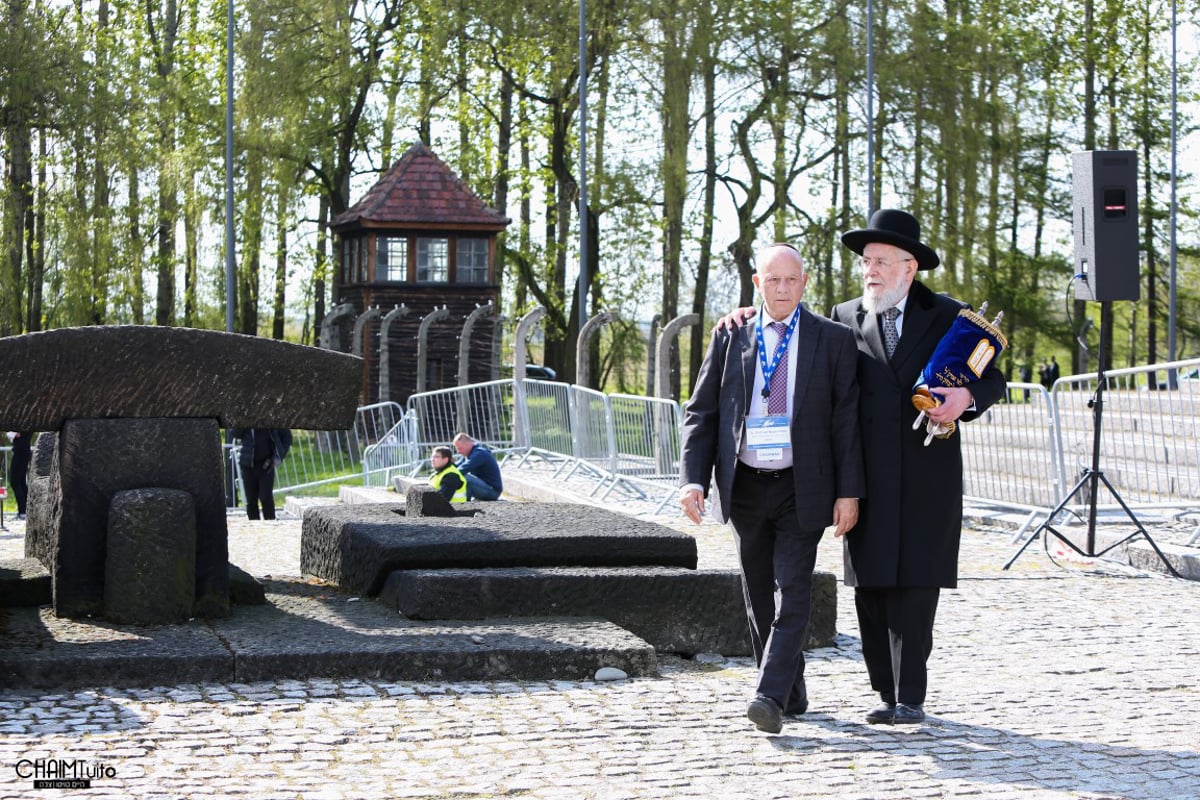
(446, 478)
(480, 467)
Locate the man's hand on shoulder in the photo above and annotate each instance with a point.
(735, 319)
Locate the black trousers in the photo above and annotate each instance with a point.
(260, 486)
(18, 476)
(896, 625)
(777, 559)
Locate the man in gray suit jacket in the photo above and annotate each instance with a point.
(774, 413)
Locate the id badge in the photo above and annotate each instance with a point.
(768, 436)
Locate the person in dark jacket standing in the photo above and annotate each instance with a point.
(18, 467)
(904, 549)
(262, 451)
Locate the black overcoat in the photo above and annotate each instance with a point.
(911, 519)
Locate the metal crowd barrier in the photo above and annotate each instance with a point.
(545, 421)
(1149, 433)
(396, 453)
(482, 410)
(325, 458)
(1023, 454)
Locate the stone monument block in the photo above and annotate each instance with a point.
(358, 546)
(676, 610)
(120, 371)
(150, 564)
(41, 516)
(425, 501)
(100, 457)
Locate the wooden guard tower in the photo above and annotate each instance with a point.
(419, 240)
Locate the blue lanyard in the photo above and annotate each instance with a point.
(780, 348)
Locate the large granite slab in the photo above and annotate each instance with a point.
(307, 631)
(327, 632)
(107, 371)
(676, 610)
(358, 546)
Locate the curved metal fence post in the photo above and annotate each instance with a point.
(666, 426)
(524, 329)
(665, 342)
(652, 354)
(360, 325)
(327, 324)
(591, 328)
(423, 344)
(521, 437)
(498, 346)
(399, 312)
(464, 362)
(464, 342)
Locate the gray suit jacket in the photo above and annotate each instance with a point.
(826, 445)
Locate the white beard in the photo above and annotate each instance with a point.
(885, 300)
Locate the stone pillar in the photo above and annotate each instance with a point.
(97, 458)
(150, 559)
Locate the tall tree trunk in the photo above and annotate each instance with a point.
(699, 304)
(503, 167)
(676, 133)
(324, 267)
(252, 227)
(18, 203)
(137, 295)
(37, 258)
(168, 201)
(191, 250)
(282, 221)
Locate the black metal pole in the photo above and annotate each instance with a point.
(1097, 418)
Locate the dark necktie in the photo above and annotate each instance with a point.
(777, 401)
(890, 337)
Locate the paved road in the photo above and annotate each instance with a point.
(1047, 682)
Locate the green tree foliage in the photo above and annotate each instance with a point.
(713, 127)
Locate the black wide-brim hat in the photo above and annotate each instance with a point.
(895, 227)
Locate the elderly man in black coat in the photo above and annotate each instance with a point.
(905, 547)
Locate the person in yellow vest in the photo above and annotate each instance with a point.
(446, 478)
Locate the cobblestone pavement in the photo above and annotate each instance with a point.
(1047, 682)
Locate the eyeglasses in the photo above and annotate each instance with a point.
(881, 263)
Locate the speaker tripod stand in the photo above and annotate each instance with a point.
(1093, 476)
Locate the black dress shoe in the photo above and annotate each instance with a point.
(908, 714)
(882, 715)
(766, 714)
